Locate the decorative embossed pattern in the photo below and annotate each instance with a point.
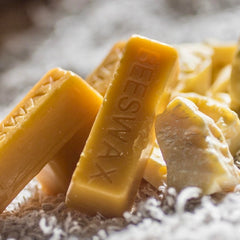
(26, 107)
(102, 173)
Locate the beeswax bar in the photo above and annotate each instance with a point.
(221, 83)
(103, 74)
(112, 163)
(55, 177)
(51, 113)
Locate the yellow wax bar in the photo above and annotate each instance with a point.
(111, 165)
(55, 177)
(103, 74)
(50, 114)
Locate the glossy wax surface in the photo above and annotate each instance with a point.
(50, 114)
(112, 163)
(55, 177)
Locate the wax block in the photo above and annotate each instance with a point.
(194, 149)
(103, 74)
(111, 165)
(38, 127)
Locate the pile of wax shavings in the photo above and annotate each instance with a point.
(159, 214)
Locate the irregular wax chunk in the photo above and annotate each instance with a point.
(194, 149)
(39, 126)
(226, 119)
(195, 68)
(112, 163)
(222, 81)
(223, 53)
(103, 74)
(223, 98)
(235, 78)
(156, 170)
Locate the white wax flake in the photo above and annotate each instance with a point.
(47, 225)
(184, 196)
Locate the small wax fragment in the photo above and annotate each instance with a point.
(223, 53)
(55, 177)
(112, 163)
(235, 78)
(226, 119)
(50, 114)
(195, 150)
(222, 82)
(103, 74)
(223, 98)
(156, 170)
(195, 68)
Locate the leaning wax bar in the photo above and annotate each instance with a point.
(111, 165)
(100, 78)
(51, 113)
(56, 175)
(103, 74)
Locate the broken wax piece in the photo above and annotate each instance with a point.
(222, 81)
(235, 79)
(112, 163)
(50, 114)
(195, 68)
(226, 119)
(223, 54)
(195, 150)
(100, 78)
(156, 170)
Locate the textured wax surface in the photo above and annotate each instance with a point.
(76, 35)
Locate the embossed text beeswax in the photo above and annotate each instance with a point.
(112, 162)
(31, 135)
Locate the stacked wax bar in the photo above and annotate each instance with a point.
(56, 116)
